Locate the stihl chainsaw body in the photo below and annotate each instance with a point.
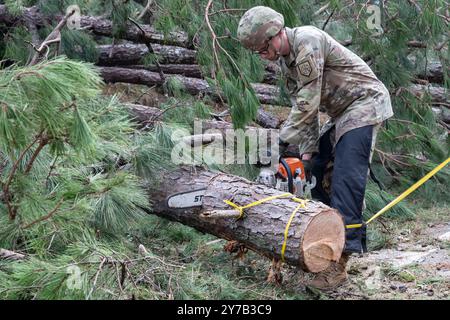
(290, 177)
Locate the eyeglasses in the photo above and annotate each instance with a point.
(265, 50)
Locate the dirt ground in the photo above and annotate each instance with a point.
(416, 267)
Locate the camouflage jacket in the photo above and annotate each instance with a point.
(321, 74)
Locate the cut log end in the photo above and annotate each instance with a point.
(323, 240)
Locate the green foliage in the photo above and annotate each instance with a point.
(119, 16)
(71, 181)
(377, 199)
(79, 45)
(15, 7)
(14, 45)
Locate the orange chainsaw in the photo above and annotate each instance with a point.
(290, 177)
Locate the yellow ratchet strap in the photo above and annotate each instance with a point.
(302, 204)
(403, 195)
(242, 208)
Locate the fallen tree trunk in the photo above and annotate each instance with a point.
(187, 70)
(11, 255)
(316, 234)
(97, 25)
(434, 73)
(129, 53)
(267, 94)
(145, 115)
(438, 94)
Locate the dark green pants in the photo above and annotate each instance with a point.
(348, 180)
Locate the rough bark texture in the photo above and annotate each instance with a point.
(437, 94)
(187, 70)
(98, 26)
(146, 114)
(267, 94)
(11, 255)
(129, 53)
(267, 120)
(433, 73)
(316, 235)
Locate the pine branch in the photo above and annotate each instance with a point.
(328, 19)
(96, 277)
(214, 37)
(6, 194)
(47, 216)
(416, 5)
(236, 10)
(322, 9)
(44, 141)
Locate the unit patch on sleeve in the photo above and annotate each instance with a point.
(305, 69)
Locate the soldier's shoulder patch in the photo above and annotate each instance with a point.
(305, 68)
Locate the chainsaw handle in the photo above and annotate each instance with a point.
(289, 175)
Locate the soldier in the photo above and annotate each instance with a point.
(321, 74)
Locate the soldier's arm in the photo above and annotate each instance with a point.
(302, 126)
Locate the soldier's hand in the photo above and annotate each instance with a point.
(282, 147)
(307, 165)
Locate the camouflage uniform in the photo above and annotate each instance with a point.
(322, 74)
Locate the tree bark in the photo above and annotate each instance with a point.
(129, 54)
(145, 114)
(187, 70)
(434, 73)
(267, 119)
(98, 26)
(315, 238)
(438, 94)
(267, 94)
(7, 254)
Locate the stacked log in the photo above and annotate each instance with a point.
(175, 48)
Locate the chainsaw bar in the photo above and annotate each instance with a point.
(184, 200)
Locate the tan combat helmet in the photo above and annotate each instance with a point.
(258, 25)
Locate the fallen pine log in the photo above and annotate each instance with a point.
(97, 25)
(194, 70)
(434, 73)
(316, 234)
(129, 53)
(187, 70)
(437, 94)
(145, 115)
(11, 255)
(267, 94)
